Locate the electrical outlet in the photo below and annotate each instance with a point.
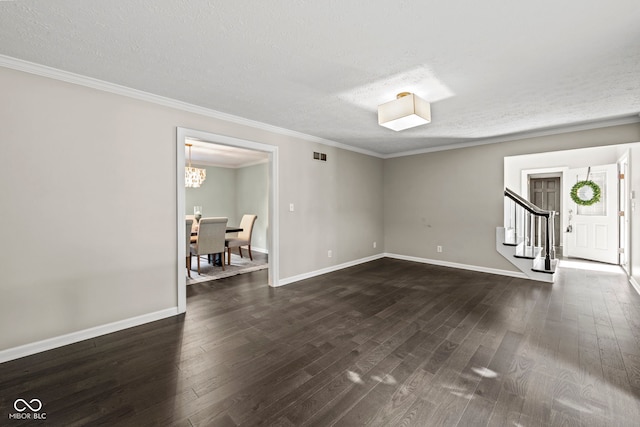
(439, 248)
(375, 245)
(330, 253)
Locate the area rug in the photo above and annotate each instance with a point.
(238, 266)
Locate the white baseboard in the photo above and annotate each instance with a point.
(62, 340)
(292, 279)
(518, 274)
(326, 270)
(261, 250)
(635, 284)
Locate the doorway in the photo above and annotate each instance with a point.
(545, 191)
(593, 231)
(236, 184)
(183, 135)
(573, 166)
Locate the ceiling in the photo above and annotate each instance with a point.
(492, 69)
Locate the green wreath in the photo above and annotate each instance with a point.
(594, 187)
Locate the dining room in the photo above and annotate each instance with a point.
(226, 188)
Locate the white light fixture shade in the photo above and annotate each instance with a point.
(405, 112)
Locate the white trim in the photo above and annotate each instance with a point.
(299, 277)
(625, 159)
(635, 284)
(518, 274)
(273, 229)
(181, 280)
(66, 76)
(223, 166)
(326, 270)
(85, 334)
(261, 250)
(523, 135)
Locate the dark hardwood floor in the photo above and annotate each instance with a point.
(390, 343)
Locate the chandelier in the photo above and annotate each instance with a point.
(193, 177)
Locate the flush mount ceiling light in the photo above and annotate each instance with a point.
(405, 112)
(193, 177)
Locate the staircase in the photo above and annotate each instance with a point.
(526, 240)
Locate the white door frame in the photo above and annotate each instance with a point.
(272, 229)
(624, 191)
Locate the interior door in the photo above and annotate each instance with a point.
(545, 194)
(593, 230)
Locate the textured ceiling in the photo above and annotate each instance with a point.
(491, 68)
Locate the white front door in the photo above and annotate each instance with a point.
(593, 231)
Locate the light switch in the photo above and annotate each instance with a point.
(290, 207)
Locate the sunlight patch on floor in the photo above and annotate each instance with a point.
(354, 377)
(574, 406)
(591, 266)
(485, 372)
(387, 379)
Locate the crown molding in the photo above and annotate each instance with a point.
(66, 76)
(625, 120)
(253, 163)
(222, 165)
(78, 79)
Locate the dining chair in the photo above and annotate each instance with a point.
(189, 224)
(194, 228)
(243, 238)
(210, 239)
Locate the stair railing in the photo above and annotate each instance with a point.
(524, 220)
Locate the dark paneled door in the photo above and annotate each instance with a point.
(545, 194)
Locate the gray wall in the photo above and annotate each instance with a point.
(89, 233)
(252, 190)
(320, 193)
(359, 206)
(454, 198)
(233, 192)
(91, 238)
(217, 194)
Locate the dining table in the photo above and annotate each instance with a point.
(194, 230)
(230, 229)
